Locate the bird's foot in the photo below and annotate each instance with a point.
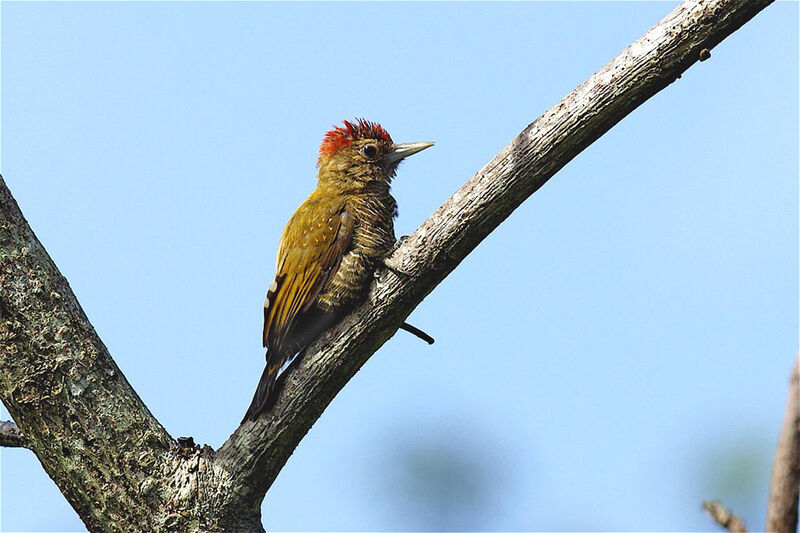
(391, 265)
(398, 243)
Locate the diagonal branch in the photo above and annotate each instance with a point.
(785, 486)
(80, 416)
(257, 451)
(724, 517)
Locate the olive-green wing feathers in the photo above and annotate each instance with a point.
(312, 246)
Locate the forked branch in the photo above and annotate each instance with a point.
(120, 469)
(257, 451)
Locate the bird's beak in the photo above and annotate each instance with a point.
(401, 151)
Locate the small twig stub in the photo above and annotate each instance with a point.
(724, 517)
(10, 435)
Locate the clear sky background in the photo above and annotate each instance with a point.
(616, 352)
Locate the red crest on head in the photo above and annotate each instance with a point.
(341, 136)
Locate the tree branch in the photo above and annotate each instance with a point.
(724, 517)
(80, 416)
(785, 485)
(114, 462)
(10, 436)
(257, 451)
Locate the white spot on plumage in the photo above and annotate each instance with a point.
(273, 286)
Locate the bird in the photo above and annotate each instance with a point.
(332, 245)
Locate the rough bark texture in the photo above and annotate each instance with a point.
(109, 456)
(82, 419)
(114, 462)
(784, 489)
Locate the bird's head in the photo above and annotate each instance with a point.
(358, 152)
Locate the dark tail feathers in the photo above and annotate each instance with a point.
(262, 395)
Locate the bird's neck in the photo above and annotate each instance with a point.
(351, 183)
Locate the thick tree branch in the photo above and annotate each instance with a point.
(785, 486)
(10, 436)
(257, 451)
(116, 465)
(79, 415)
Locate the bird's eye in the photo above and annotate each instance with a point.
(370, 150)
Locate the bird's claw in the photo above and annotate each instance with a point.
(398, 243)
(391, 265)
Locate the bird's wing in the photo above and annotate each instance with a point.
(312, 246)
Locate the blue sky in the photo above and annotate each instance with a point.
(616, 352)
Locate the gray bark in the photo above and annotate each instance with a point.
(121, 470)
(784, 488)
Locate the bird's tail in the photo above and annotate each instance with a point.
(263, 392)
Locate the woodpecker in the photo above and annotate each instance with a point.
(332, 244)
